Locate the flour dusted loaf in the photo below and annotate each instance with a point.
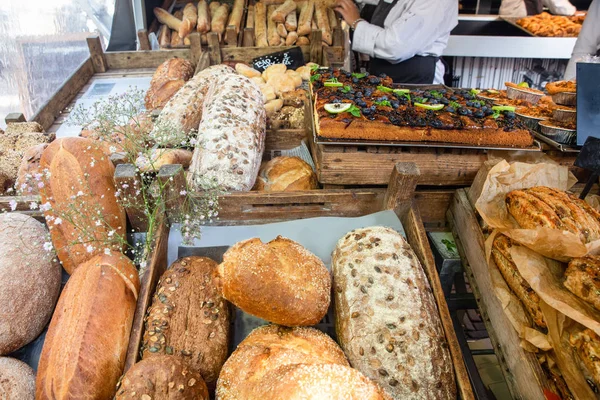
(189, 318)
(286, 174)
(79, 185)
(17, 380)
(279, 281)
(168, 78)
(231, 136)
(386, 318)
(29, 281)
(162, 378)
(268, 348)
(84, 351)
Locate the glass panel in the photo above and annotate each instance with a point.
(43, 43)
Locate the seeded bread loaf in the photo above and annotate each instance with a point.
(17, 380)
(84, 351)
(268, 348)
(386, 317)
(189, 318)
(168, 78)
(162, 378)
(29, 281)
(279, 281)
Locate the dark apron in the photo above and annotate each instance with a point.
(534, 7)
(419, 69)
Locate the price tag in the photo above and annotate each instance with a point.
(292, 58)
(589, 158)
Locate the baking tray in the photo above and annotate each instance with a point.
(558, 146)
(513, 22)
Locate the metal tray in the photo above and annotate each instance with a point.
(513, 22)
(558, 146)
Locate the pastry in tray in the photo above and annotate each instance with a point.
(561, 124)
(561, 86)
(365, 107)
(545, 24)
(524, 88)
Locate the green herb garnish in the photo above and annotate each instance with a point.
(315, 67)
(384, 89)
(355, 111)
(451, 247)
(475, 92)
(346, 89)
(421, 100)
(358, 75)
(406, 95)
(384, 103)
(454, 104)
(436, 94)
(315, 77)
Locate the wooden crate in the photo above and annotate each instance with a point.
(257, 207)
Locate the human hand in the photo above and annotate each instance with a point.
(348, 10)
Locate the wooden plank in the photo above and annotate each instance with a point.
(54, 106)
(214, 48)
(248, 34)
(195, 48)
(96, 53)
(401, 188)
(284, 139)
(14, 118)
(128, 182)
(316, 47)
(522, 371)
(143, 59)
(172, 179)
(433, 205)
(231, 36)
(247, 54)
(143, 40)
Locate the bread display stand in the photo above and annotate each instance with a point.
(259, 207)
(521, 369)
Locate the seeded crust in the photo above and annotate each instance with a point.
(268, 348)
(279, 281)
(162, 378)
(386, 317)
(583, 279)
(189, 318)
(17, 380)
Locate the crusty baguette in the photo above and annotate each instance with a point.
(260, 24)
(303, 41)
(235, 19)
(219, 19)
(322, 19)
(190, 18)
(272, 2)
(203, 25)
(291, 38)
(213, 7)
(306, 17)
(176, 40)
(164, 37)
(386, 318)
(273, 37)
(196, 324)
(165, 18)
(291, 22)
(281, 31)
(281, 12)
(84, 351)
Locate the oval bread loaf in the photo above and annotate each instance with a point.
(86, 343)
(268, 348)
(17, 380)
(189, 318)
(162, 378)
(286, 174)
(279, 281)
(29, 281)
(386, 317)
(168, 78)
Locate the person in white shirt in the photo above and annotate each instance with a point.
(523, 8)
(403, 38)
(588, 41)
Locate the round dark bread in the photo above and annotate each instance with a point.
(162, 378)
(17, 380)
(29, 281)
(279, 281)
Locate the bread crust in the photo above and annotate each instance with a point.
(189, 318)
(386, 317)
(168, 78)
(587, 346)
(583, 279)
(85, 347)
(17, 380)
(163, 378)
(279, 281)
(286, 174)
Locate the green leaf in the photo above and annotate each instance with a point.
(475, 92)
(385, 89)
(455, 104)
(496, 114)
(355, 111)
(358, 75)
(315, 67)
(346, 89)
(451, 247)
(405, 95)
(384, 103)
(315, 77)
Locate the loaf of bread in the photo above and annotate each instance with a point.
(231, 136)
(26, 183)
(286, 174)
(159, 157)
(84, 351)
(80, 189)
(279, 281)
(247, 71)
(29, 281)
(189, 318)
(162, 378)
(17, 380)
(386, 317)
(268, 348)
(587, 346)
(168, 78)
(582, 278)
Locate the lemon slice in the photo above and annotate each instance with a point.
(524, 84)
(336, 108)
(434, 107)
(385, 89)
(333, 84)
(492, 91)
(504, 108)
(401, 91)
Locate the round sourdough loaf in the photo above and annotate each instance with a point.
(162, 378)
(279, 281)
(268, 348)
(189, 318)
(17, 380)
(29, 281)
(286, 174)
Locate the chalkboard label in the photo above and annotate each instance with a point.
(292, 58)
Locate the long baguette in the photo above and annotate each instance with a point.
(273, 37)
(176, 40)
(190, 18)
(291, 38)
(235, 18)
(306, 16)
(203, 25)
(165, 18)
(219, 20)
(282, 11)
(260, 24)
(291, 22)
(323, 23)
(213, 7)
(303, 41)
(281, 30)
(164, 36)
(333, 21)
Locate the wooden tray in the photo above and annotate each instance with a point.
(257, 207)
